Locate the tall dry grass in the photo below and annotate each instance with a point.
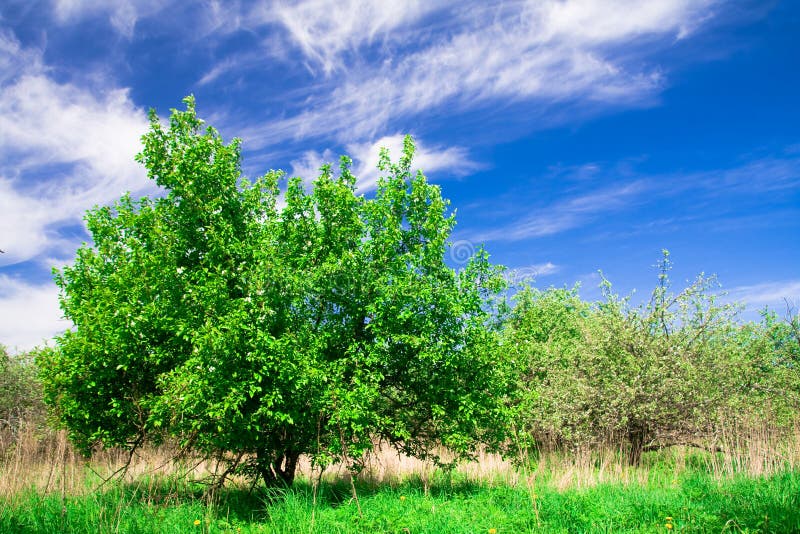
(755, 450)
(45, 461)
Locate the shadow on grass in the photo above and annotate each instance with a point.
(244, 504)
(441, 486)
(161, 492)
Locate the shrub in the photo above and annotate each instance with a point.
(669, 371)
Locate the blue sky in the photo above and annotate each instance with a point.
(570, 135)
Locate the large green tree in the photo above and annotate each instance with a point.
(256, 323)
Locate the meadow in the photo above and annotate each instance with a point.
(753, 486)
(224, 349)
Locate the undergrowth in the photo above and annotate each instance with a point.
(695, 502)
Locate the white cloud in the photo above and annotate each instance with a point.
(47, 122)
(531, 272)
(308, 164)
(122, 14)
(591, 21)
(14, 58)
(429, 159)
(63, 150)
(552, 52)
(23, 225)
(772, 294)
(29, 313)
(384, 61)
(568, 214)
(541, 269)
(325, 29)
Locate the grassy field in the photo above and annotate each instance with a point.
(678, 490)
(696, 503)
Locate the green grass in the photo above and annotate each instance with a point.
(697, 503)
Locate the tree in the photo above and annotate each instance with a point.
(20, 394)
(662, 364)
(257, 333)
(657, 374)
(544, 338)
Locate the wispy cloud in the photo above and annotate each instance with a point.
(14, 58)
(29, 313)
(50, 129)
(550, 52)
(324, 30)
(191, 21)
(430, 159)
(758, 176)
(121, 15)
(771, 294)
(531, 272)
(766, 178)
(218, 70)
(373, 64)
(567, 214)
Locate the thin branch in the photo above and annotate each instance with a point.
(124, 468)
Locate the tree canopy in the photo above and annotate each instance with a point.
(675, 370)
(255, 322)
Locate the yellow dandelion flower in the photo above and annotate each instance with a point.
(197, 522)
(402, 497)
(492, 531)
(669, 526)
(669, 519)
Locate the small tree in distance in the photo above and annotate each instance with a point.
(677, 370)
(256, 334)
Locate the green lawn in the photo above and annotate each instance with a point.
(696, 503)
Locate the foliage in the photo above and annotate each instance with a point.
(779, 344)
(670, 371)
(20, 392)
(256, 332)
(543, 340)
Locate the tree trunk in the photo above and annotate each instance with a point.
(277, 469)
(285, 466)
(636, 439)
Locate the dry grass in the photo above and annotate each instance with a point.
(46, 462)
(754, 451)
(758, 450)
